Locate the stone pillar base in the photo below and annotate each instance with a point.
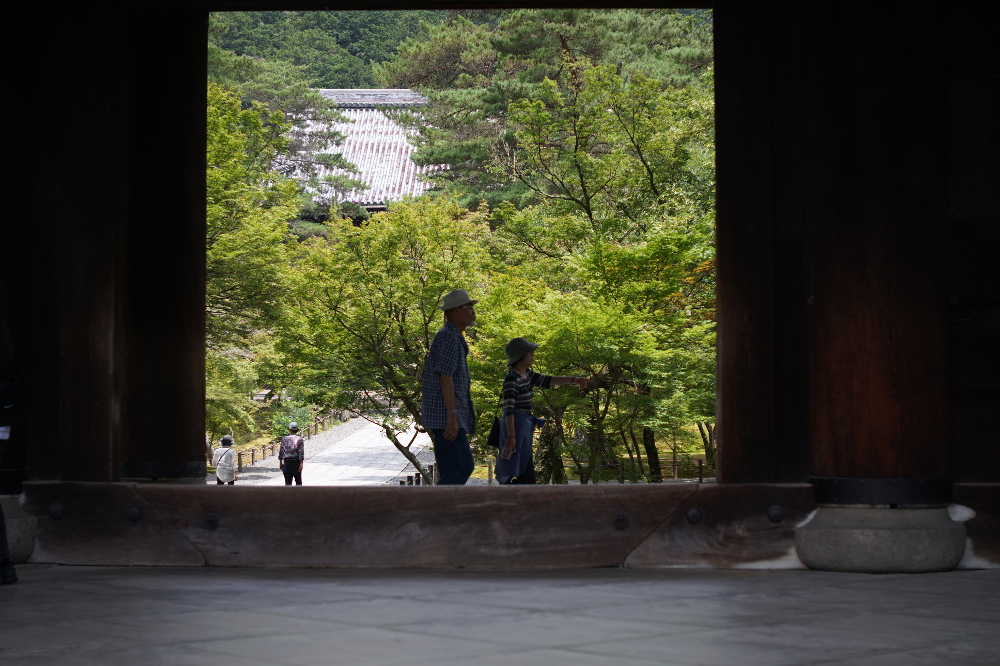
(21, 529)
(880, 540)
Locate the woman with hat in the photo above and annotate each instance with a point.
(517, 427)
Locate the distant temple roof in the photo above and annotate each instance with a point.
(370, 97)
(378, 146)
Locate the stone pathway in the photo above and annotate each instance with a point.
(353, 453)
(356, 453)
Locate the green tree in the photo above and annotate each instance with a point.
(624, 154)
(578, 336)
(365, 308)
(623, 170)
(473, 71)
(335, 49)
(230, 380)
(312, 136)
(248, 206)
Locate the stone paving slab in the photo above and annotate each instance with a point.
(59, 615)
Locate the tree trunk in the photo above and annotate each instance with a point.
(652, 455)
(549, 463)
(707, 431)
(631, 460)
(391, 434)
(580, 471)
(607, 451)
(593, 456)
(638, 451)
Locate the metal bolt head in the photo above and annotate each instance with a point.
(694, 516)
(621, 520)
(776, 514)
(133, 513)
(211, 520)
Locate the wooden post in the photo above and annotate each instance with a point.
(160, 326)
(701, 471)
(761, 272)
(879, 389)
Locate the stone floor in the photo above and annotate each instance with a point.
(95, 615)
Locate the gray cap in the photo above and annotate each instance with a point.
(517, 349)
(456, 299)
(293, 426)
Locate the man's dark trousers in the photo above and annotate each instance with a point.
(453, 458)
(290, 468)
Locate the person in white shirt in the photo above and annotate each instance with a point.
(224, 459)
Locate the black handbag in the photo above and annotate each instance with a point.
(494, 437)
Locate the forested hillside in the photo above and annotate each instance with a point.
(577, 205)
(335, 49)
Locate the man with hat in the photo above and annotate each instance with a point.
(447, 412)
(292, 455)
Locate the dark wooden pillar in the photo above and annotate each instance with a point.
(163, 247)
(973, 228)
(879, 403)
(102, 276)
(832, 302)
(745, 252)
(58, 291)
(762, 375)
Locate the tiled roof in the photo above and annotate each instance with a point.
(377, 145)
(370, 97)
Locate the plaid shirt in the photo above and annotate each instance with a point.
(447, 357)
(293, 447)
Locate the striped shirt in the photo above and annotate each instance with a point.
(517, 393)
